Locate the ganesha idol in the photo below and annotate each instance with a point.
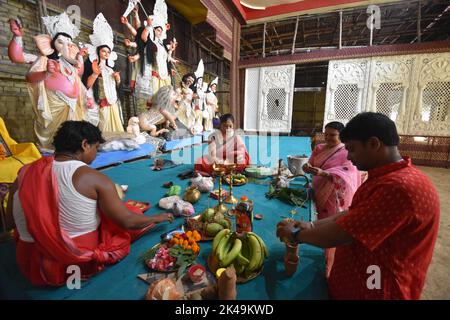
(54, 84)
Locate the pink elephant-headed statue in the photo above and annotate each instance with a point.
(54, 82)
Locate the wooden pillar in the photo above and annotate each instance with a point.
(236, 107)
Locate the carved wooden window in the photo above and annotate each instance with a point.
(346, 101)
(276, 102)
(436, 101)
(388, 99)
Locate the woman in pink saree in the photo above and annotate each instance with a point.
(335, 179)
(224, 147)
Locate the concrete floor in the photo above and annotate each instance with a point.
(437, 285)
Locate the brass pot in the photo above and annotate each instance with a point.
(192, 195)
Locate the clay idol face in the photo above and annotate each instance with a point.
(158, 32)
(104, 53)
(66, 48)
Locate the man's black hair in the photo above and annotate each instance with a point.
(366, 125)
(336, 125)
(71, 134)
(228, 116)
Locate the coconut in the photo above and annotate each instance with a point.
(164, 289)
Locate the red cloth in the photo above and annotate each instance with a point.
(156, 74)
(203, 165)
(45, 261)
(230, 150)
(394, 219)
(104, 103)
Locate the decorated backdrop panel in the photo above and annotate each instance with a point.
(269, 93)
(413, 90)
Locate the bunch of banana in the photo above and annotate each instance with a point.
(246, 252)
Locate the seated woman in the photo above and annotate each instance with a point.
(335, 178)
(224, 147)
(69, 214)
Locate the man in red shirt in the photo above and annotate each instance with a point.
(386, 239)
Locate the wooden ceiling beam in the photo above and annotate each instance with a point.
(328, 30)
(325, 43)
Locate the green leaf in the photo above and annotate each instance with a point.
(182, 269)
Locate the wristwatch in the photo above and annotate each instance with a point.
(294, 234)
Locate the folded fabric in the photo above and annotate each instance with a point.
(117, 145)
(203, 184)
(167, 202)
(15, 155)
(182, 208)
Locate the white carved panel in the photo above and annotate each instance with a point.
(346, 89)
(413, 90)
(251, 99)
(389, 82)
(431, 113)
(276, 98)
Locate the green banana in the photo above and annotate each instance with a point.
(256, 253)
(263, 254)
(219, 237)
(263, 244)
(225, 249)
(234, 252)
(245, 251)
(222, 246)
(241, 259)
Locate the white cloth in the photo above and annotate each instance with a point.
(144, 82)
(109, 83)
(77, 213)
(161, 60)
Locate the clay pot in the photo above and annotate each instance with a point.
(226, 284)
(291, 264)
(292, 248)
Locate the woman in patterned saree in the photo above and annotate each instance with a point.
(225, 146)
(335, 179)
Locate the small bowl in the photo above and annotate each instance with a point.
(193, 273)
